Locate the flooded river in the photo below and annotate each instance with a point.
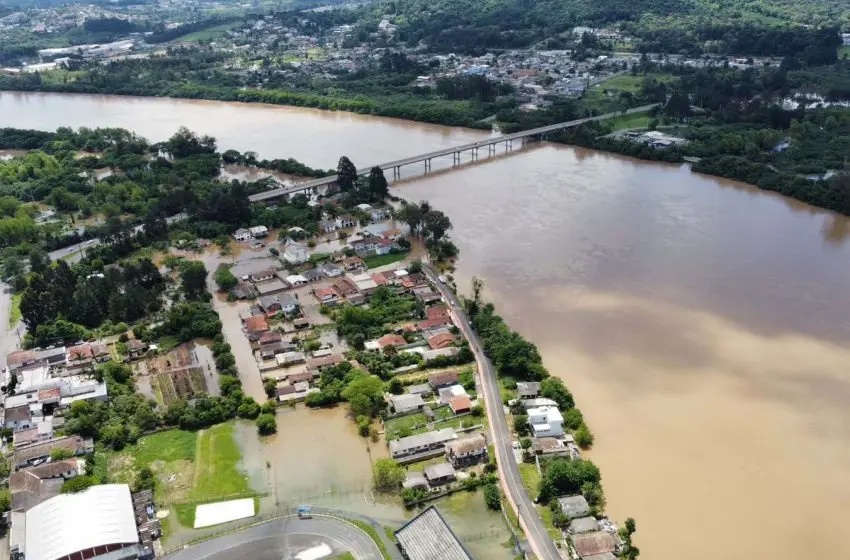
(702, 324)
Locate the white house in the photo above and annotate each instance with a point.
(546, 421)
(296, 280)
(259, 231)
(379, 214)
(327, 226)
(346, 221)
(295, 253)
(288, 303)
(242, 234)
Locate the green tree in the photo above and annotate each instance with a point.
(564, 476)
(365, 394)
(78, 484)
(521, 424)
(584, 437)
(193, 275)
(224, 278)
(388, 476)
(269, 386)
(435, 225)
(346, 174)
(491, 496)
(266, 424)
(630, 551)
(144, 480)
(5, 499)
(378, 186)
(553, 388)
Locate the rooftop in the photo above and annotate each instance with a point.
(597, 542)
(574, 506)
(421, 440)
(69, 523)
(440, 470)
(469, 444)
(428, 537)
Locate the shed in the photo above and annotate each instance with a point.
(528, 389)
(422, 389)
(406, 403)
(574, 506)
(441, 473)
(583, 525)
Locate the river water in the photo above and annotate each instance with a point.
(702, 324)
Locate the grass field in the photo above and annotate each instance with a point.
(626, 122)
(15, 311)
(844, 51)
(530, 477)
(403, 426)
(381, 260)
(190, 467)
(208, 34)
(627, 82)
(170, 455)
(216, 472)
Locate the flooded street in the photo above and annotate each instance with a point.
(702, 324)
(703, 327)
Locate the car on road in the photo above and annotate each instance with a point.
(70, 249)
(442, 279)
(515, 445)
(89, 242)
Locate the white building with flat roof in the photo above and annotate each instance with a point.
(546, 421)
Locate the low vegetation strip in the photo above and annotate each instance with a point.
(216, 467)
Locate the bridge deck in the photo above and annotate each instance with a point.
(267, 195)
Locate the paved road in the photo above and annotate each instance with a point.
(536, 532)
(285, 539)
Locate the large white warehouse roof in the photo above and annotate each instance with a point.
(69, 523)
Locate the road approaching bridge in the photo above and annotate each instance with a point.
(538, 536)
(472, 147)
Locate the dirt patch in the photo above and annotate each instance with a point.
(122, 468)
(175, 479)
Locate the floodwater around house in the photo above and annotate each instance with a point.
(318, 458)
(702, 324)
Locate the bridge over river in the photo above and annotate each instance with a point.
(456, 152)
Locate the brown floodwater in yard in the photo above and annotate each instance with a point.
(318, 458)
(704, 327)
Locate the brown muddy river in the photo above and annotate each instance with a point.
(704, 326)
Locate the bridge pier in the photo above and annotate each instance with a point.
(456, 158)
(427, 165)
(491, 149)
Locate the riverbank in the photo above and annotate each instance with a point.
(448, 113)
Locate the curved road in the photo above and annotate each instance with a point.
(284, 539)
(538, 536)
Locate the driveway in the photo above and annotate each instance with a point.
(288, 538)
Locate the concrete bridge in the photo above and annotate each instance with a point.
(491, 144)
